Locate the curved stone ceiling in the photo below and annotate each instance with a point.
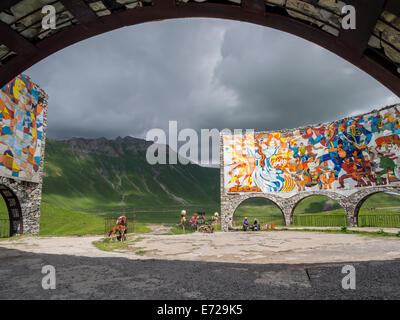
(373, 47)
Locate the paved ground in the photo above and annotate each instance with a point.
(368, 229)
(268, 265)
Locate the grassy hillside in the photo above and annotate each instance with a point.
(58, 221)
(113, 176)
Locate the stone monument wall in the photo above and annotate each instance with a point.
(346, 160)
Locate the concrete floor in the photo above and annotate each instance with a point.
(267, 265)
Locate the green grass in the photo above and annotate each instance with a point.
(314, 220)
(382, 200)
(167, 217)
(140, 252)
(118, 246)
(56, 221)
(3, 209)
(265, 211)
(380, 233)
(379, 220)
(317, 204)
(109, 246)
(141, 227)
(177, 229)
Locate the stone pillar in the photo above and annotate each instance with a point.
(34, 190)
(288, 219)
(351, 212)
(30, 206)
(226, 221)
(227, 201)
(225, 213)
(23, 202)
(287, 208)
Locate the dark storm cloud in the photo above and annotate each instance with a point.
(203, 73)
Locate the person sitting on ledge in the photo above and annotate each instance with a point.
(255, 226)
(245, 224)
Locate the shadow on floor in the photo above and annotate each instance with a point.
(120, 278)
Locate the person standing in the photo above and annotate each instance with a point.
(183, 219)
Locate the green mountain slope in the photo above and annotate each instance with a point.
(113, 175)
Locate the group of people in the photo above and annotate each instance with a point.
(247, 226)
(199, 220)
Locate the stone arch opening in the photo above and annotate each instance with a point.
(12, 224)
(265, 210)
(379, 209)
(318, 210)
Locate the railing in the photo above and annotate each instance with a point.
(320, 220)
(383, 220)
(4, 228)
(111, 222)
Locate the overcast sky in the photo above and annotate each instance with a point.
(204, 73)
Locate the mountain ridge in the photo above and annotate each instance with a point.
(104, 174)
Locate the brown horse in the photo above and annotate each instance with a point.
(118, 228)
(122, 221)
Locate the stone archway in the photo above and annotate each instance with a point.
(234, 205)
(23, 205)
(230, 202)
(14, 210)
(351, 204)
(362, 195)
(295, 200)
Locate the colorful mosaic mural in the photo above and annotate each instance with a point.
(356, 152)
(21, 130)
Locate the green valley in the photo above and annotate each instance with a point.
(103, 176)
